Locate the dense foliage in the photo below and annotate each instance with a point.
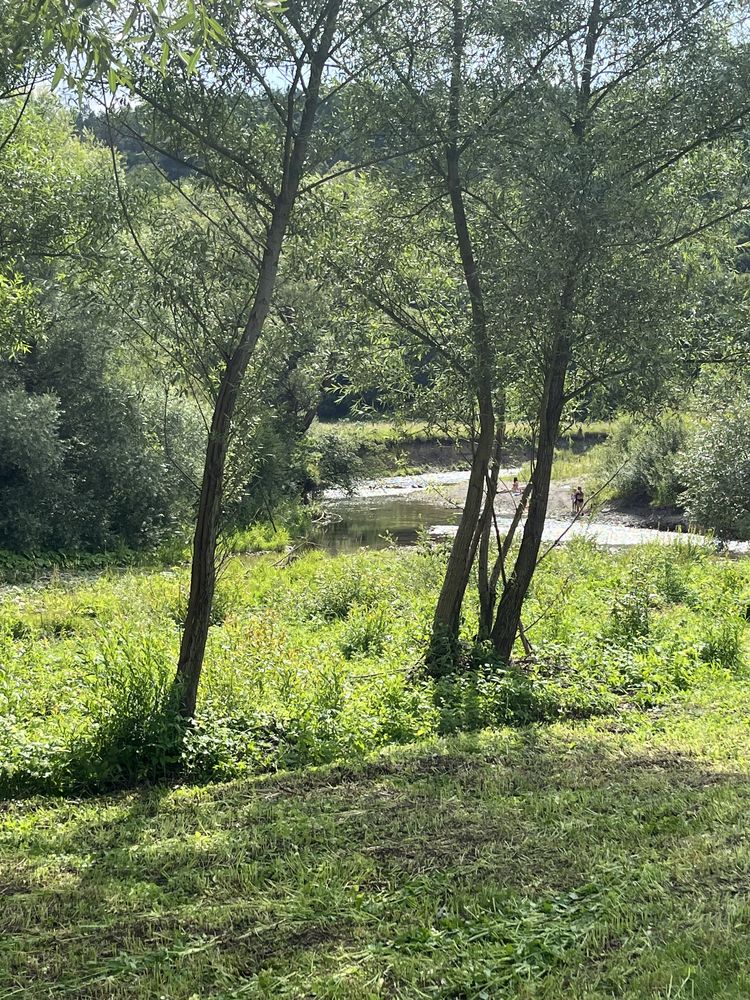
(89, 444)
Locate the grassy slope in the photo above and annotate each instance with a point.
(388, 447)
(313, 662)
(605, 859)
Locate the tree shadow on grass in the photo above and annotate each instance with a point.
(217, 884)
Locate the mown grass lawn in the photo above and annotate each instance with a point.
(608, 858)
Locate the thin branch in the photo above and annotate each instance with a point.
(19, 116)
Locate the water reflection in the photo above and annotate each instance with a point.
(377, 522)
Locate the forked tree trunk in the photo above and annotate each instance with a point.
(508, 617)
(447, 620)
(203, 569)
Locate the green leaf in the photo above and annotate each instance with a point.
(164, 58)
(193, 60)
(58, 75)
(183, 21)
(129, 22)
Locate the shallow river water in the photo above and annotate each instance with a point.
(395, 510)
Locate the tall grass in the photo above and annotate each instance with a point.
(320, 660)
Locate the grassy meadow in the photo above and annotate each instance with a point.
(318, 659)
(597, 859)
(342, 827)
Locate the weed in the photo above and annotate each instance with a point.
(315, 661)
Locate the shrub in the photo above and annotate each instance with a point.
(365, 631)
(130, 732)
(336, 462)
(646, 458)
(715, 469)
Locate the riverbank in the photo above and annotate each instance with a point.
(587, 859)
(400, 509)
(391, 448)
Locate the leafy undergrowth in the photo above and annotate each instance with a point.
(318, 661)
(261, 536)
(598, 859)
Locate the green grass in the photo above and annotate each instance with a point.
(384, 431)
(388, 447)
(569, 465)
(389, 430)
(317, 661)
(580, 860)
(595, 848)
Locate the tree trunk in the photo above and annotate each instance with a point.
(508, 619)
(203, 569)
(486, 591)
(509, 608)
(484, 582)
(488, 600)
(447, 618)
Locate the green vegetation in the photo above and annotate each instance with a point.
(382, 447)
(696, 458)
(318, 660)
(570, 463)
(584, 860)
(469, 772)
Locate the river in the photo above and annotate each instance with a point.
(395, 510)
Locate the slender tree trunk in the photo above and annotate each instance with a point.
(458, 571)
(508, 616)
(488, 599)
(203, 569)
(484, 582)
(485, 588)
(447, 618)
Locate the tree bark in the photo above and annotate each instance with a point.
(508, 615)
(486, 591)
(508, 618)
(447, 618)
(203, 569)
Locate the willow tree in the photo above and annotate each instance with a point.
(627, 172)
(244, 120)
(438, 101)
(575, 164)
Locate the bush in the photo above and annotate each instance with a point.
(335, 462)
(648, 459)
(128, 731)
(715, 469)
